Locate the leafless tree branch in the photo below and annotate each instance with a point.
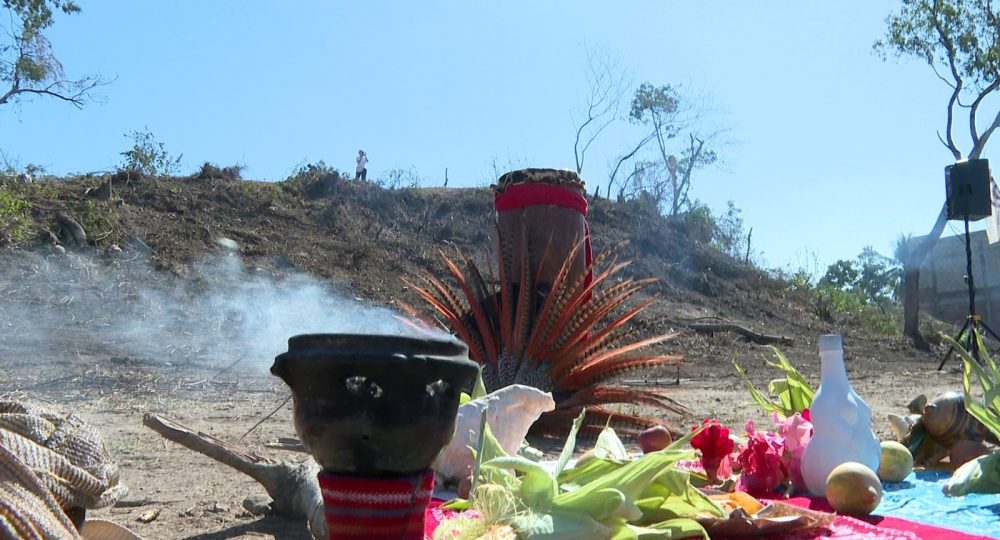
(942, 77)
(608, 84)
(977, 148)
(695, 148)
(78, 96)
(642, 143)
(949, 47)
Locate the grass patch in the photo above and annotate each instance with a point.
(15, 215)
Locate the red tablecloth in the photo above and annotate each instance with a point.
(876, 526)
(844, 528)
(434, 515)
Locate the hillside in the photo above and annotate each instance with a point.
(185, 289)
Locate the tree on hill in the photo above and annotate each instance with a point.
(666, 176)
(28, 66)
(960, 41)
(872, 276)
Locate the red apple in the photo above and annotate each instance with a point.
(653, 439)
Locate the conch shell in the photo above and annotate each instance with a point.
(934, 428)
(510, 411)
(947, 421)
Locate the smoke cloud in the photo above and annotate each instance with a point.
(63, 308)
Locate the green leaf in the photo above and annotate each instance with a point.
(762, 401)
(537, 487)
(457, 504)
(588, 472)
(800, 392)
(987, 411)
(479, 389)
(667, 530)
(559, 526)
(570, 445)
(678, 499)
(631, 479)
(491, 450)
(781, 388)
(793, 392)
(477, 452)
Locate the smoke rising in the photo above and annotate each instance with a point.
(71, 307)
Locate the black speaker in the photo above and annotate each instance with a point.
(967, 184)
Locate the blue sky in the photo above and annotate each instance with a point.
(829, 148)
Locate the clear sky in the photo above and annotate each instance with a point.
(829, 148)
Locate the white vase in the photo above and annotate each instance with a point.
(841, 421)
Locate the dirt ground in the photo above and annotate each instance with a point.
(194, 497)
(129, 324)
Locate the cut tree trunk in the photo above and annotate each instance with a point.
(726, 326)
(911, 302)
(292, 486)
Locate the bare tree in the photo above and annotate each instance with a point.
(608, 82)
(500, 166)
(960, 41)
(28, 67)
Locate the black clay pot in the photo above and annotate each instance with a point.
(374, 406)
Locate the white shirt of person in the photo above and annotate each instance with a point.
(362, 161)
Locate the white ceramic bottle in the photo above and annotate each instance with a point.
(841, 421)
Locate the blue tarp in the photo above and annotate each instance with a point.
(919, 498)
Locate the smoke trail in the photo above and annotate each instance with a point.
(63, 308)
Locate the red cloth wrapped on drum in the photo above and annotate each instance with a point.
(376, 508)
(547, 210)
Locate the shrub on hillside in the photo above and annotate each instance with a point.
(148, 156)
(313, 180)
(400, 178)
(851, 307)
(211, 171)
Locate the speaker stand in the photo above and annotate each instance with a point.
(974, 325)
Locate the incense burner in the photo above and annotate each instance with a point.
(374, 406)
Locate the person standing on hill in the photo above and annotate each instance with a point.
(361, 173)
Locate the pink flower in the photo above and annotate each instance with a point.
(761, 460)
(795, 432)
(715, 445)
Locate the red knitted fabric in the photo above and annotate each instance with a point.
(376, 508)
(522, 195)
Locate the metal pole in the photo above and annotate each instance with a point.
(972, 343)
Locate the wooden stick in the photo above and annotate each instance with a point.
(292, 486)
(756, 337)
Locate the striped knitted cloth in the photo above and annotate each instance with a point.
(376, 508)
(28, 511)
(67, 454)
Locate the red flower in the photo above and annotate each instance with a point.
(761, 461)
(715, 445)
